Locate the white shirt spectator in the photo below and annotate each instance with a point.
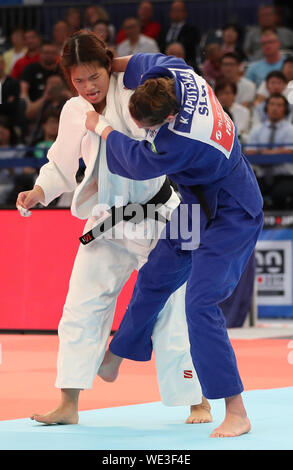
(260, 135)
(246, 91)
(144, 44)
(241, 118)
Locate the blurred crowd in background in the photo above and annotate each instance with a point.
(250, 70)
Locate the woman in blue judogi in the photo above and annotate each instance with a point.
(191, 139)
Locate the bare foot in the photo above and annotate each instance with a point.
(109, 368)
(62, 415)
(232, 426)
(65, 413)
(236, 421)
(200, 413)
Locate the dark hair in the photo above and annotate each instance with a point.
(288, 60)
(154, 101)
(84, 47)
(50, 112)
(231, 55)
(222, 84)
(278, 95)
(276, 74)
(7, 123)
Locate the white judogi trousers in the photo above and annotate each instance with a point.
(100, 271)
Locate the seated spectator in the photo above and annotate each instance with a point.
(135, 42)
(34, 77)
(94, 13)
(33, 44)
(180, 31)
(231, 70)
(274, 136)
(226, 92)
(287, 68)
(231, 41)
(9, 106)
(17, 51)
(57, 93)
(177, 50)
(49, 125)
(267, 19)
(148, 27)
(9, 148)
(211, 67)
(60, 34)
(273, 60)
(101, 28)
(275, 83)
(73, 20)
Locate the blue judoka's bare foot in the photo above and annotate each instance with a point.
(200, 413)
(236, 421)
(65, 413)
(109, 368)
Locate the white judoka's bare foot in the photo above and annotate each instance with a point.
(200, 413)
(109, 368)
(61, 415)
(236, 421)
(65, 413)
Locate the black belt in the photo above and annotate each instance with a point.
(120, 213)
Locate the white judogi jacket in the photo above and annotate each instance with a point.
(75, 141)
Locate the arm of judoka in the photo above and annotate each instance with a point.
(135, 159)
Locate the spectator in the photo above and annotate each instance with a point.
(267, 19)
(49, 125)
(60, 33)
(177, 49)
(94, 13)
(56, 94)
(34, 77)
(287, 68)
(273, 60)
(148, 27)
(231, 70)
(73, 20)
(211, 67)
(135, 42)
(33, 44)
(275, 136)
(231, 40)
(17, 51)
(9, 93)
(9, 148)
(180, 31)
(226, 92)
(275, 82)
(101, 28)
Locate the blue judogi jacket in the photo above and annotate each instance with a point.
(199, 148)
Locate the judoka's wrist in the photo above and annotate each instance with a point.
(101, 126)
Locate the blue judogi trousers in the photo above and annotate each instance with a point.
(212, 272)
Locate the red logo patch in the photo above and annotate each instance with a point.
(188, 374)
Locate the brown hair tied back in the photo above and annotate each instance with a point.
(153, 101)
(84, 47)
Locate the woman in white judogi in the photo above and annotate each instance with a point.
(103, 266)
